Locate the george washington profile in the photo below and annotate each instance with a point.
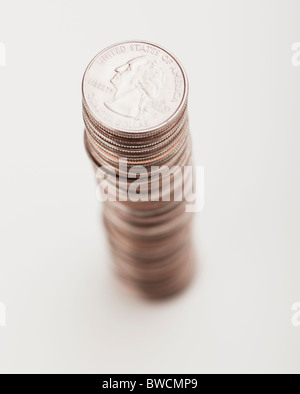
(137, 83)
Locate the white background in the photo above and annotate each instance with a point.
(65, 311)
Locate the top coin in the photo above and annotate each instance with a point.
(134, 87)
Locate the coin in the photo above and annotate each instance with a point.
(135, 112)
(134, 87)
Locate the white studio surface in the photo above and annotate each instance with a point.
(64, 312)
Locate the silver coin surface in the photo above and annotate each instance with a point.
(134, 87)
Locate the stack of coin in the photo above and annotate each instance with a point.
(137, 137)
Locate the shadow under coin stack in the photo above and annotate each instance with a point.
(136, 131)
